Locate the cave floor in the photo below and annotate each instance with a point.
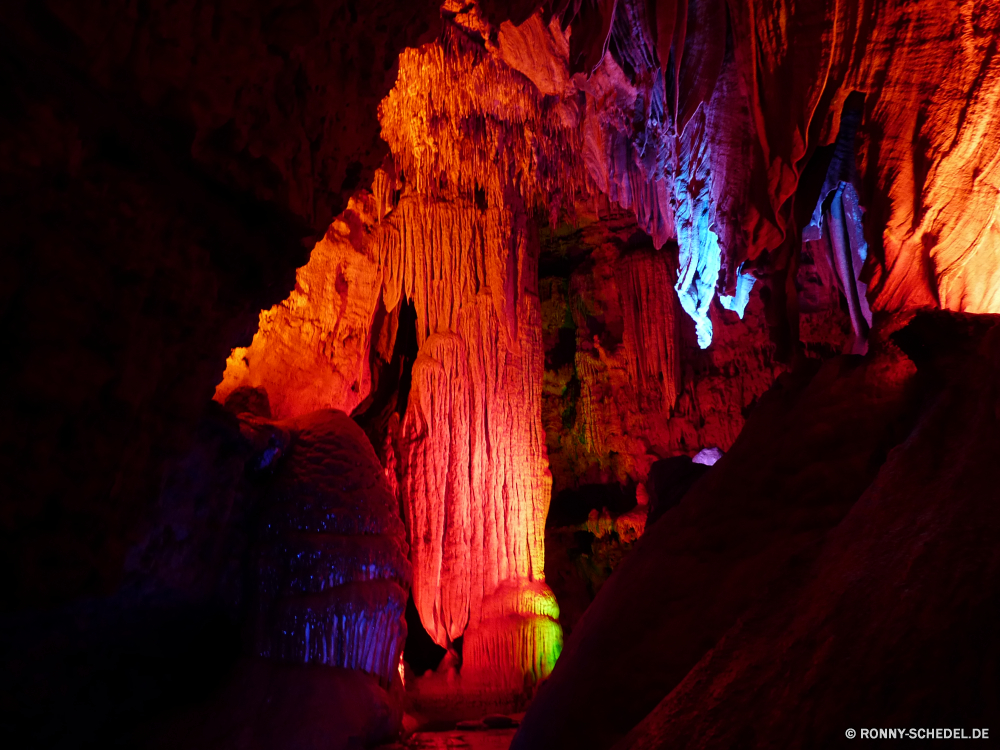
(457, 739)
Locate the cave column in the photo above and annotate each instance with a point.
(476, 484)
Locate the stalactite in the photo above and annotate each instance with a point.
(675, 152)
(603, 424)
(768, 94)
(836, 224)
(627, 168)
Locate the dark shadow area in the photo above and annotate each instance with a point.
(420, 652)
(572, 506)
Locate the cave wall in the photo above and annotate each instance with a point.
(626, 382)
(162, 164)
(495, 127)
(165, 168)
(703, 116)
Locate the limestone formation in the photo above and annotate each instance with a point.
(332, 569)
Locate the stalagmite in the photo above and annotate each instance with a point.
(331, 569)
(470, 136)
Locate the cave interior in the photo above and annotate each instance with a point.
(532, 374)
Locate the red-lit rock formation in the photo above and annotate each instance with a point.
(735, 98)
(475, 481)
(929, 166)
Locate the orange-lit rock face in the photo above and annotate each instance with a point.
(930, 169)
(312, 351)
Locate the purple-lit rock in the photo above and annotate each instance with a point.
(332, 572)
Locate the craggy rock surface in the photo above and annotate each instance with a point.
(701, 116)
(810, 448)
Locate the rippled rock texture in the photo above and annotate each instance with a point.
(701, 117)
(332, 571)
(447, 228)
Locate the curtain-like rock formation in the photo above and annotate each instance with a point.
(676, 151)
(706, 135)
(650, 330)
(470, 137)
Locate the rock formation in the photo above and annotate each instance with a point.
(325, 590)
(742, 528)
(558, 245)
(458, 243)
(706, 135)
(332, 569)
(880, 619)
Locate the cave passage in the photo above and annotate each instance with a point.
(594, 374)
